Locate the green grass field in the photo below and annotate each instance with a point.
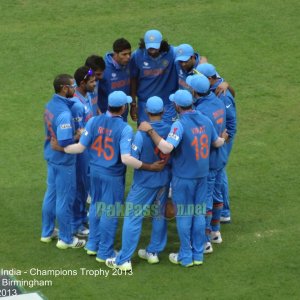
(255, 46)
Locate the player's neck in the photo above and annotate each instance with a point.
(82, 91)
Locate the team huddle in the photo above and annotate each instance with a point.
(186, 118)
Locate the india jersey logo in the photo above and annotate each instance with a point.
(113, 75)
(146, 64)
(165, 63)
(151, 38)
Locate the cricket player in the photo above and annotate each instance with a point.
(117, 74)
(61, 178)
(189, 140)
(154, 74)
(231, 125)
(108, 139)
(209, 105)
(97, 64)
(148, 194)
(82, 111)
(186, 63)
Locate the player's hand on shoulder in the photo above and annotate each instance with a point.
(222, 88)
(145, 126)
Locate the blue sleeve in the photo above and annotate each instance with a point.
(230, 114)
(126, 139)
(78, 115)
(64, 127)
(134, 67)
(175, 135)
(137, 145)
(87, 136)
(214, 134)
(66, 143)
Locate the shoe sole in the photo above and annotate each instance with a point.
(216, 241)
(151, 262)
(198, 263)
(100, 260)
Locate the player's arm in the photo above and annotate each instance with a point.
(223, 87)
(217, 141)
(165, 146)
(129, 160)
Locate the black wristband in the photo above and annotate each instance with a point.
(150, 131)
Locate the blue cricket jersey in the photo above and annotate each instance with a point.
(93, 97)
(231, 119)
(156, 76)
(191, 136)
(107, 137)
(212, 107)
(145, 150)
(115, 78)
(81, 110)
(182, 74)
(58, 124)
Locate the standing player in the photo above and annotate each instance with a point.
(116, 75)
(154, 74)
(82, 111)
(190, 137)
(187, 61)
(97, 64)
(61, 181)
(108, 139)
(231, 125)
(149, 190)
(209, 105)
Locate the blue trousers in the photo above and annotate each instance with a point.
(189, 193)
(82, 189)
(58, 201)
(214, 202)
(107, 192)
(140, 202)
(225, 187)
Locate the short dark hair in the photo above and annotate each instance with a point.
(164, 45)
(61, 80)
(82, 74)
(186, 107)
(156, 114)
(115, 109)
(95, 62)
(120, 45)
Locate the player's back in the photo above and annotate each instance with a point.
(106, 132)
(145, 150)
(214, 109)
(191, 158)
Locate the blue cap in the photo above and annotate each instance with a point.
(118, 98)
(152, 39)
(182, 98)
(199, 83)
(155, 105)
(207, 69)
(184, 52)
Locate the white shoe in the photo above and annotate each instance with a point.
(225, 220)
(50, 238)
(152, 258)
(215, 237)
(111, 263)
(100, 260)
(208, 248)
(83, 232)
(77, 243)
(173, 258)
